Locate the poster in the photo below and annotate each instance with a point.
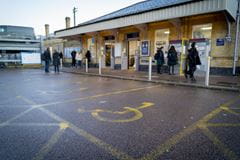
(31, 58)
(145, 45)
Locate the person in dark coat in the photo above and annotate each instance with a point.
(172, 59)
(47, 59)
(159, 57)
(61, 59)
(73, 54)
(56, 61)
(193, 60)
(88, 56)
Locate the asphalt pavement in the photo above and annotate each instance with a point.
(78, 117)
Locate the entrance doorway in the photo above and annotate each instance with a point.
(109, 53)
(133, 50)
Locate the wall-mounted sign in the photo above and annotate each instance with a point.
(145, 48)
(220, 42)
(31, 58)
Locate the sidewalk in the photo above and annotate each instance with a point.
(215, 82)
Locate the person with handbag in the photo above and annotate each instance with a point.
(193, 60)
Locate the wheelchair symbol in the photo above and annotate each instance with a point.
(127, 110)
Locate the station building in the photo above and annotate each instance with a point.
(18, 44)
(125, 39)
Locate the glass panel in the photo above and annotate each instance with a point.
(202, 31)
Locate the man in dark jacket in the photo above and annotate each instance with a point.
(56, 61)
(172, 59)
(73, 54)
(88, 56)
(159, 57)
(47, 59)
(193, 60)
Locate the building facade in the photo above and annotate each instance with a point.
(126, 38)
(16, 40)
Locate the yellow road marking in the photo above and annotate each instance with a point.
(178, 137)
(160, 149)
(27, 100)
(231, 155)
(222, 125)
(63, 125)
(3, 124)
(229, 110)
(32, 124)
(61, 92)
(49, 145)
(169, 143)
(137, 114)
(110, 149)
(97, 96)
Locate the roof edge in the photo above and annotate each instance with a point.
(125, 15)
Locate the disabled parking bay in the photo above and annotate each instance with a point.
(69, 116)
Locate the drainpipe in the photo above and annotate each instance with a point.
(228, 36)
(236, 42)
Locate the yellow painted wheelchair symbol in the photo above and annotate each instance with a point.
(137, 113)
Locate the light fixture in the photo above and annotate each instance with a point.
(206, 28)
(167, 32)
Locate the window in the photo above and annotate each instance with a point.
(202, 31)
(161, 39)
(2, 30)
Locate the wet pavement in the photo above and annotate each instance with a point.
(78, 117)
(220, 82)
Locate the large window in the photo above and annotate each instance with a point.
(202, 31)
(161, 39)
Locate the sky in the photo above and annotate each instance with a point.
(37, 13)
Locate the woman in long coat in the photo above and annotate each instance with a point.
(56, 61)
(172, 59)
(159, 57)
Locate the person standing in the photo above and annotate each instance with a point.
(159, 57)
(56, 61)
(47, 59)
(193, 60)
(172, 59)
(79, 59)
(88, 56)
(61, 59)
(73, 54)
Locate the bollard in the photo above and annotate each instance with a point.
(207, 71)
(150, 69)
(100, 65)
(86, 65)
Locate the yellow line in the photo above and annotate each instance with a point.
(227, 109)
(178, 137)
(26, 100)
(3, 124)
(169, 143)
(222, 125)
(97, 96)
(80, 132)
(91, 138)
(231, 155)
(33, 124)
(48, 146)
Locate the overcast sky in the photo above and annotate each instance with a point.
(36, 13)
